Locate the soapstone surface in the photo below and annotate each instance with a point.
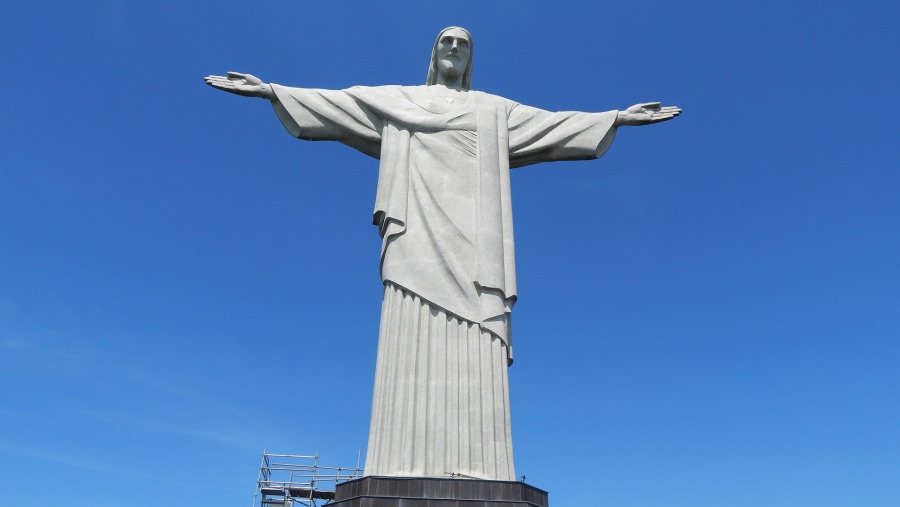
(443, 208)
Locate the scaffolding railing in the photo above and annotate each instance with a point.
(286, 480)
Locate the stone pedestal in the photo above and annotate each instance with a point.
(435, 492)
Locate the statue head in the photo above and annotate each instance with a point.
(452, 52)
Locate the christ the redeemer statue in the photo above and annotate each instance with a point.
(443, 208)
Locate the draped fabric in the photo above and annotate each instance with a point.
(407, 128)
(452, 416)
(443, 208)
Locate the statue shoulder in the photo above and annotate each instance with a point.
(385, 88)
(495, 101)
(394, 91)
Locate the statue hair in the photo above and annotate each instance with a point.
(432, 69)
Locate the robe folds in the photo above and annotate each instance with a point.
(443, 209)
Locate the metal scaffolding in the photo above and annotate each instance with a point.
(286, 480)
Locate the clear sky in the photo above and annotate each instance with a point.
(708, 315)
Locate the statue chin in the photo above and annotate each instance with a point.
(448, 70)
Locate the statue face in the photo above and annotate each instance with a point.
(453, 53)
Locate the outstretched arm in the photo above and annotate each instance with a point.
(247, 85)
(647, 113)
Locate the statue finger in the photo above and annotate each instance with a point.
(220, 83)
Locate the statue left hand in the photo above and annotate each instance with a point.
(646, 113)
(239, 83)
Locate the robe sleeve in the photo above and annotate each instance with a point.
(536, 135)
(328, 115)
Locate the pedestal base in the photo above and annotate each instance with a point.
(435, 492)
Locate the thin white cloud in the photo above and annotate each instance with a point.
(13, 344)
(244, 438)
(36, 349)
(55, 457)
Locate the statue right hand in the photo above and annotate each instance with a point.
(647, 113)
(247, 85)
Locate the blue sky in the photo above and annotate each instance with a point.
(709, 315)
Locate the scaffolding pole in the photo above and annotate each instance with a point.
(285, 480)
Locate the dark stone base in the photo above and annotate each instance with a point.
(435, 492)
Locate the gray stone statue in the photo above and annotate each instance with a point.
(443, 208)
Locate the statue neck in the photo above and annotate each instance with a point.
(452, 82)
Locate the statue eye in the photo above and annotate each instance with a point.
(463, 42)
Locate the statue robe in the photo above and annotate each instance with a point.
(444, 211)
